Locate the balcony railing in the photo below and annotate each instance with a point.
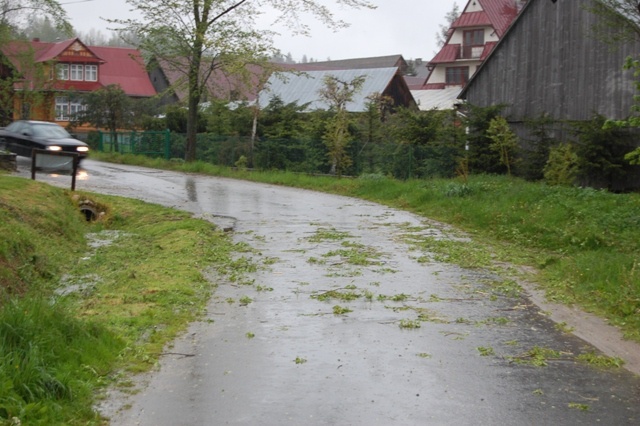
(471, 52)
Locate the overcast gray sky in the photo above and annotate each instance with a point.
(406, 27)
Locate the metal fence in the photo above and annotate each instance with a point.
(153, 144)
(402, 161)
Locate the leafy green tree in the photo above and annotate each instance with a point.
(177, 120)
(337, 94)
(281, 121)
(202, 36)
(14, 18)
(601, 152)
(16, 14)
(619, 20)
(535, 148)
(482, 158)
(108, 108)
(44, 29)
(505, 142)
(562, 167)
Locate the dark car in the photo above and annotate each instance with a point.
(22, 136)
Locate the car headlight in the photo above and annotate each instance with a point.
(54, 148)
(82, 149)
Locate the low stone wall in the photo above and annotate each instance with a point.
(8, 162)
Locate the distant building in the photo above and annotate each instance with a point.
(53, 75)
(303, 87)
(469, 41)
(553, 64)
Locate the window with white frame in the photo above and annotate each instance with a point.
(62, 108)
(91, 72)
(62, 71)
(77, 72)
(75, 107)
(67, 108)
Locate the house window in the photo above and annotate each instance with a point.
(77, 72)
(91, 73)
(62, 108)
(67, 108)
(457, 75)
(62, 71)
(473, 44)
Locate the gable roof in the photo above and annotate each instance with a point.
(125, 67)
(121, 66)
(500, 13)
(359, 63)
(303, 88)
(50, 51)
(549, 62)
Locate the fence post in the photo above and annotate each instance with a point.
(167, 144)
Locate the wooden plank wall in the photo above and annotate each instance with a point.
(551, 63)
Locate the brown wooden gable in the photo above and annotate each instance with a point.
(78, 52)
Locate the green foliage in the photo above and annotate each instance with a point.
(176, 120)
(50, 361)
(482, 158)
(54, 356)
(534, 152)
(108, 108)
(281, 121)
(337, 94)
(562, 166)
(505, 142)
(601, 150)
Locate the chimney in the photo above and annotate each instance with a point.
(36, 39)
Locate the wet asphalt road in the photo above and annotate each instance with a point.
(306, 365)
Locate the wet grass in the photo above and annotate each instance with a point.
(139, 288)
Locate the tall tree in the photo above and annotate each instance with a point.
(443, 33)
(108, 108)
(21, 69)
(621, 16)
(338, 94)
(15, 14)
(201, 36)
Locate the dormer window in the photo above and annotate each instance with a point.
(62, 71)
(77, 72)
(91, 72)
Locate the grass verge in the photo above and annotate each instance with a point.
(81, 302)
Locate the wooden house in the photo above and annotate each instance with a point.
(469, 41)
(553, 63)
(53, 75)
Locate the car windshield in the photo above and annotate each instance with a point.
(49, 131)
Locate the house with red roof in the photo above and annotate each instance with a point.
(470, 39)
(52, 76)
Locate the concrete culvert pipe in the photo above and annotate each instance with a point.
(89, 213)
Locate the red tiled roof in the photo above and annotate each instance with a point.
(125, 67)
(488, 47)
(448, 53)
(497, 13)
(121, 66)
(472, 19)
(501, 13)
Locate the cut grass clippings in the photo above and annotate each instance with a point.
(585, 243)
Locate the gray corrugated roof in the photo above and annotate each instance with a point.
(437, 99)
(303, 88)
